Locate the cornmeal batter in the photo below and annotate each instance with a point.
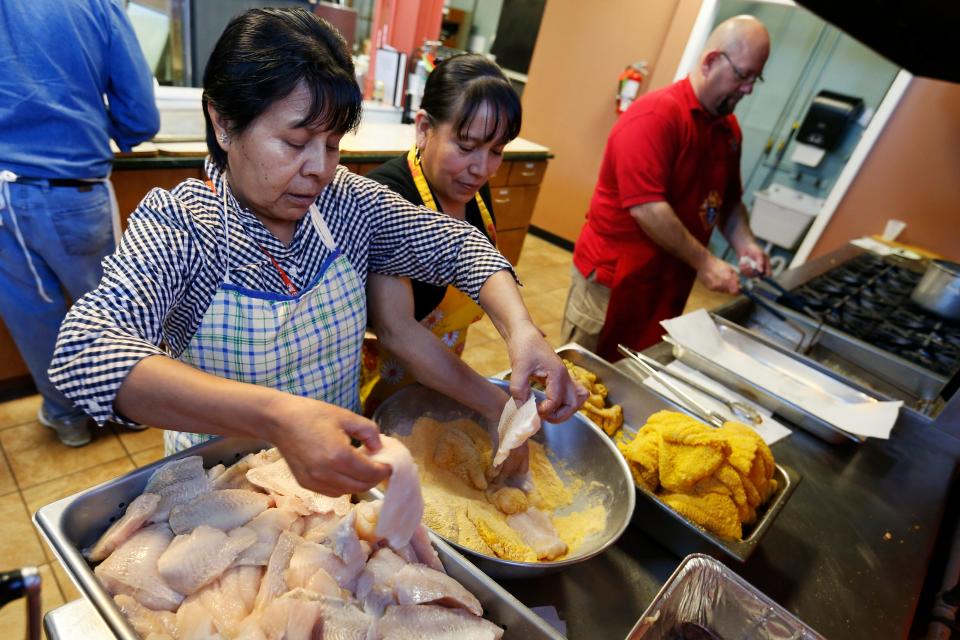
(460, 505)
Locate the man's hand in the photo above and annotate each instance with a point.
(717, 275)
(753, 261)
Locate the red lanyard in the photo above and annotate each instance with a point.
(291, 288)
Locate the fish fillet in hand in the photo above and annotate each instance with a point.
(517, 425)
(402, 507)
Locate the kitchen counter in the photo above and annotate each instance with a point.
(375, 142)
(848, 554)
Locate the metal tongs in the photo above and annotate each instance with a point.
(702, 412)
(740, 409)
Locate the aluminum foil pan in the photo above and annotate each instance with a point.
(703, 599)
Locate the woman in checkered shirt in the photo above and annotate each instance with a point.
(236, 306)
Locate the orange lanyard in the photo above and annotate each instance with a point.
(287, 281)
(413, 161)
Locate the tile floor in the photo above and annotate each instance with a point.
(35, 469)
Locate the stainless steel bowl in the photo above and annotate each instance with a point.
(580, 447)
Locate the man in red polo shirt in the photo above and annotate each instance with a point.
(670, 173)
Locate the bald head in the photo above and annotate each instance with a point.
(731, 63)
(739, 34)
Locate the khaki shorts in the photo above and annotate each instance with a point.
(585, 311)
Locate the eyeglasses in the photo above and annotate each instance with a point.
(740, 74)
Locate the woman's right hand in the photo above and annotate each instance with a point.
(315, 439)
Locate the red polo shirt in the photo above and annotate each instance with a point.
(666, 147)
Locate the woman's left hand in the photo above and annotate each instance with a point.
(532, 357)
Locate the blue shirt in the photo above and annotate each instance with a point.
(59, 59)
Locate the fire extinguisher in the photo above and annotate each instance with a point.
(629, 84)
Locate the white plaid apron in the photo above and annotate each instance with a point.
(306, 344)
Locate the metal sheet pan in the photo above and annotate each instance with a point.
(654, 517)
(754, 389)
(881, 373)
(77, 521)
(704, 592)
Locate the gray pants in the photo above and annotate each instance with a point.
(585, 310)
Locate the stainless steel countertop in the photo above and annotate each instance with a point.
(827, 558)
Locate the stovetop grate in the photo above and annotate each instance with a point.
(869, 298)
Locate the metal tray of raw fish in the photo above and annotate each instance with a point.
(704, 599)
(76, 522)
(755, 391)
(654, 517)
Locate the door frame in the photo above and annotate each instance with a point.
(691, 53)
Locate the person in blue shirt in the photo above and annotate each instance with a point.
(73, 77)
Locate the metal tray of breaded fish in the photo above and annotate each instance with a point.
(654, 517)
(76, 522)
(704, 599)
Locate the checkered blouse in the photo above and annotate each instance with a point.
(160, 281)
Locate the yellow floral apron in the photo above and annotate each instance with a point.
(382, 374)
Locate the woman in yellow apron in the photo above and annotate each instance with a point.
(468, 113)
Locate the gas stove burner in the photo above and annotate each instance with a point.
(829, 285)
(850, 276)
(908, 319)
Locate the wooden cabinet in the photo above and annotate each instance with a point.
(514, 189)
(131, 185)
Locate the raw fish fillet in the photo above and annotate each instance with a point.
(224, 510)
(138, 512)
(177, 482)
(415, 622)
(274, 583)
(516, 426)
(235, 476)
(146, 621)
(402, 507)
(290, 617)
(230, 599)
(215, 472)
(536, 529)
(367, 515)
(267, 526)
(194, 622)
(375, 586)
(132, 569)
(277, 477)
(342, 620)
(422, 546)
(310, 557)
(419, 584)
(196, 559)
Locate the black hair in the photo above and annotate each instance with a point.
(459, 86)
(261, 57)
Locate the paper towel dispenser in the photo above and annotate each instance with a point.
(827, 120)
